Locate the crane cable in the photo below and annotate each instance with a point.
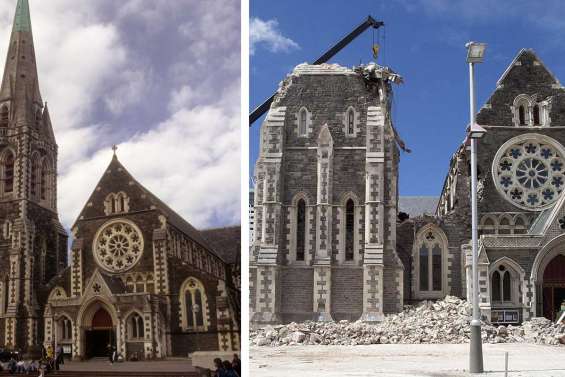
(375, 46)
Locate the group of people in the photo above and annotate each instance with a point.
(20, 366)
(226, 368)
(51, 359)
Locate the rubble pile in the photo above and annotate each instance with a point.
(445, 321)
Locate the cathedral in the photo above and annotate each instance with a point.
(140, 277)
(330, 242)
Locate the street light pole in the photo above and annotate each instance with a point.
(475, 55)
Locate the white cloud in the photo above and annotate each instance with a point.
(182, 98)
(267, 33)
(97, 77)
(190, 160)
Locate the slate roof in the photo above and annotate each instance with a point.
(225, 241)
(418, 205)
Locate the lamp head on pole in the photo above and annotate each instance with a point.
(475, 131)
(475, 52)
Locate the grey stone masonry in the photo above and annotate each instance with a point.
(313, 165)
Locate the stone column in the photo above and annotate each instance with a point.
(76, 268)
(267, 294)
(374, 216)
(323, 257)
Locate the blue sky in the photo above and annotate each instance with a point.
(161, 79)
(424, 42)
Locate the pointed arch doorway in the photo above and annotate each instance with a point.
(553, 287)
(99, 331)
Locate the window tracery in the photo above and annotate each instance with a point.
(529, 171)
(116, 203)
(430, 262)
(135, 329)
(194, 307)
(118, 245)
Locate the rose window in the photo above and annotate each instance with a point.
(118, 246)
(529, 171)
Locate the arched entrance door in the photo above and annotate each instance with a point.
(553, 287)
(100, 334)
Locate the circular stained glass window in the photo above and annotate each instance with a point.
(118, 245)
(529, 171)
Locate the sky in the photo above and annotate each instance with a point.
(424, 41)
(159, 78)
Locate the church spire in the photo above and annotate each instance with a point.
(20, 85)
(22, 19)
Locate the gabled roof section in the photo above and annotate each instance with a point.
(525, 54)
(550, 222)
(118, 173)
(226, 242)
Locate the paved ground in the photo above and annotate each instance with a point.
(175, 365)
(394, 360)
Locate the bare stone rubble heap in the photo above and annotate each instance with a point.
(445, 321)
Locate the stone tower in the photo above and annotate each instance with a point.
(33, 244)
(326, 199)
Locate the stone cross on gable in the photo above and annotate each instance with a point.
(114, 148)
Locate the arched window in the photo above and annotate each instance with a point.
(38, 119)
(150, 284)
(349, 230)
(130, 285)
(351, 122)
(488, 225)
(116, 203)
(501, 289)
(302, 120)
(194, 310)
(45, 168)
(522, 115)
(495, 286)
(424, 267)
(504, 226)
(9, 172)
(536, 115)
(135, 327)
(139, 284)
(520, 226)
(7, 229)
(65, 330)
(34, 184)
(300, 230)
(430, 259)
(4, 116)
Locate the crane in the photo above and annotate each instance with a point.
(369, 22)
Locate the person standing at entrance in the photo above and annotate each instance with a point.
(59, 357)
(110, 353)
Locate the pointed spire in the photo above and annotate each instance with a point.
(20, 82)
(47, 126)
(22, 19)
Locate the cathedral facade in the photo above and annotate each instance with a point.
(330, 243)
(140, 277)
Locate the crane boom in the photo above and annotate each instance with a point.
(369, 22)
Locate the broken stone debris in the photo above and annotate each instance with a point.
(445, 321)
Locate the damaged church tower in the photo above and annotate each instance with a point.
(326, 199)
(33, 244)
